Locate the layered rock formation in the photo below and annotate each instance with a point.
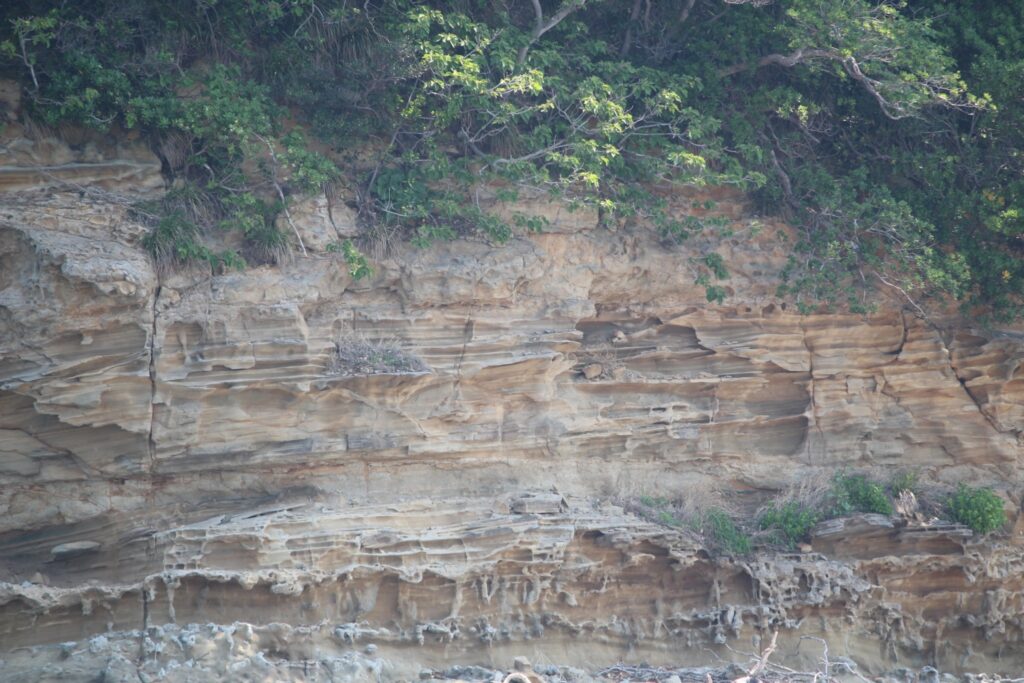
(178, 449)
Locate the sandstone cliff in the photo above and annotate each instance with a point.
(196, 486)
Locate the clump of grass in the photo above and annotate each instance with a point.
(354, 355)
(904, 480)
(788, 520)
(724, 533)
(703, 513)
(175, 241)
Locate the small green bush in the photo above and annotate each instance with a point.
(667, 518)
(979, 508)
(721, 530)
(855, 493)
(654, 501)
(790, 521)
(358, 266)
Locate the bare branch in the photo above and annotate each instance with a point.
(902, 291)
(634, 17)
(853, 69)
(804, 55)
(787, 186)
(28, 62)
(684, 13)
(798, 56)
(761, 663)
(541, 27)
(280, 192)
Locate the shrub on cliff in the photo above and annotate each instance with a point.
(979, 508)
(790, 522)
(855, 493)
(891, 139)
(790, 518)
(723, 532)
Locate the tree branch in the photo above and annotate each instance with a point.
(803, 55)
(853, 69)
(541, 27)
(28, 63)
(280, 192)
(798, 56)
(902, 291)
(684, 13)
(634, 17)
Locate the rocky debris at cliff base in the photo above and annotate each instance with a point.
(211, 653)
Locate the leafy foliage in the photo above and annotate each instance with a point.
(979, 508)
(855, 493)
(790, 521)
(724, 533)
(358, 265)
(890, 132)
(174, 239)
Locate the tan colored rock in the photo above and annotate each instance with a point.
(191, 426)
(319, 222)
(548, 213)
(10, 99)
(73, 159)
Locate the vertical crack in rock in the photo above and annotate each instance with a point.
(963, 383)
(467, 336)
(811, 389)
(903, 340)
(143, 592)
(151, 444)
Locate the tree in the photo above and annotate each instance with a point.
(887, 131)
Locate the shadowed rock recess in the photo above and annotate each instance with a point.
(195, 486)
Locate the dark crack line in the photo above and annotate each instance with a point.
(151, 443)
(811, 391)
(145, 625)
(974, 399)
(967, 390)
(83, 464)
(903, 341)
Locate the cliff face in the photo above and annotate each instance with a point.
(430, 460)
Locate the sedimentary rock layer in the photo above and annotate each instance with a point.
(178, 447)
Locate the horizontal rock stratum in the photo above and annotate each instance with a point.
(191, 471)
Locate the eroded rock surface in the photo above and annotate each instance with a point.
(179, 449)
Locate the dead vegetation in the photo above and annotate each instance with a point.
(357, 355)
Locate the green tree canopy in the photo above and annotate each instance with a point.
(888, 131)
